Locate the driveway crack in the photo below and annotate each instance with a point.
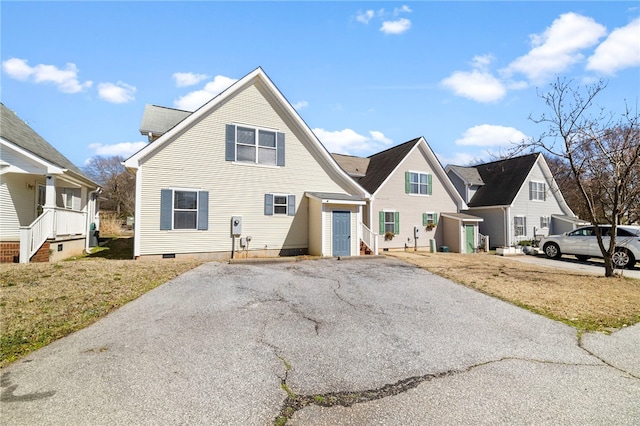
(294, 403)
(602, 359)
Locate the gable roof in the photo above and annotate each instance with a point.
(470, 174)
(355, 166)
(382, 164)
(157, 120)
(502, 180)
(16, 131)
(259, 78)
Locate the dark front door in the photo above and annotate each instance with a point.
(341, 233)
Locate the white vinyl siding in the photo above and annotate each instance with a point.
(392, 196)
(197, 157)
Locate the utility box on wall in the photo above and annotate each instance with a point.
(236, 226)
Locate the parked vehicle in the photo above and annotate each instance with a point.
(582, 243)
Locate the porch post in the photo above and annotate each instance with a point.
(50, 202)
(25, 243)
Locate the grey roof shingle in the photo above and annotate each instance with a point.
(354, 166)
(470, 174)
(16, 131)
(158, 119)
(383, 163)
(502, 180)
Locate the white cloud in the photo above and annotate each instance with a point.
(117, 93)
(194, 100)
(300, 105)
(457, 159)
(184, 79)
(349, 142)
(558, 48)
(491, 135)
(125, 149)
(620, 50)
(365, 16)
(65, 79)
(477, 85)
(403, 9)
(396, 27)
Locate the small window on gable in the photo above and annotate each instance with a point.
(418, 183)
(255, 145)
(537, 191)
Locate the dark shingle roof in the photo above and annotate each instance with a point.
(158, 119)
(502, 180)
(16, 131)
(383, 163)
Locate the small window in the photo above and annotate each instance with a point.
(429, 219)
(519, 225)
(418, 183)
(537, 191)
(279, 204)
(544, 221)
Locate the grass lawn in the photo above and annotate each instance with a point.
(42, 302)
(586, 302)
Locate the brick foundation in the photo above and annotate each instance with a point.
(42, 255)
(9, 252)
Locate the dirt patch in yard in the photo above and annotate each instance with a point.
(587, 302)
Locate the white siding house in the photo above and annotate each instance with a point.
(245, 154)
(47, 205)
(518, 199)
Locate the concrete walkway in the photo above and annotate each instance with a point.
(241, 344)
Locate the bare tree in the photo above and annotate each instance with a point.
(118, 185)
(601, 153)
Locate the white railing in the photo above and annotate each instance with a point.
(370, 238)
(70, 222)
(50, 224)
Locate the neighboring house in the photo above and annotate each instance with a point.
(48, 206)
(411, 196)
(242, 176)
(518, 199)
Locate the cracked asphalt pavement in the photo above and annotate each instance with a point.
(324, 342)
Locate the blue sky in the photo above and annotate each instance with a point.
(363, 75)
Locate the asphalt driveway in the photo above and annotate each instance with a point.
(236, 344)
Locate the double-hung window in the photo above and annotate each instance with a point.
(389, 222)
(537, 191)
(519, 226)
(184, 209)
(418, 183)
(254, 145)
